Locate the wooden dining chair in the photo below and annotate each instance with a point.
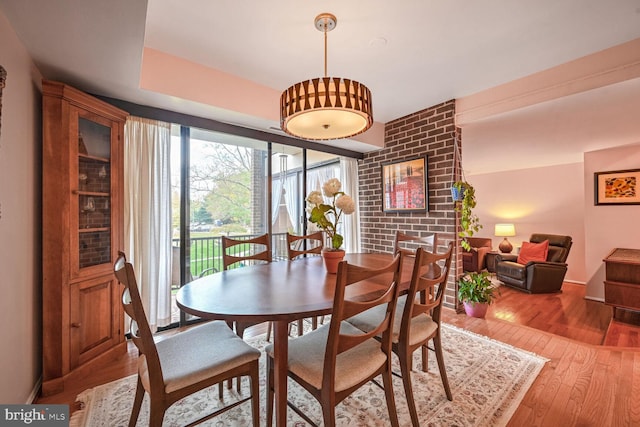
(186, 362)
(302, 246)
(235, 251)
(407, 243)
(235, 254)
(336, 359)
(417, 319)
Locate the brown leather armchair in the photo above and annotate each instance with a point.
(474, 260)
(537, 277)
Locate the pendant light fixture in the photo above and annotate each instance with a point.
(326, 107)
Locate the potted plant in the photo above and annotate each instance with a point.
(476, 292)
(469, 222)
(327, 215)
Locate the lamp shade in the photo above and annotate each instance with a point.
(505, 230)
(328, 107)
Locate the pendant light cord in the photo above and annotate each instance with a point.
(326, 23)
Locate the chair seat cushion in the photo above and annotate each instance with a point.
(307, 353)
(422, 326)
(219, 350)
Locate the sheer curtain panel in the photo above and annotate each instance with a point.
(351, 223)
(147, 206)
(292, 197)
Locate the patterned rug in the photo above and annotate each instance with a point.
(488, 380)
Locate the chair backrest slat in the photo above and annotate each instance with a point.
(254, 253)
(305, 244)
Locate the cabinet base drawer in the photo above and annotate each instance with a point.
(624, 295)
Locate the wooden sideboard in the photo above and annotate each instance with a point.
(622, 281)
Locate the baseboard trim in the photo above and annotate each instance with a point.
(576, 282)
(594, 299)
(34, 393)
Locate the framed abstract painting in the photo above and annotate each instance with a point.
(617, 187)
(404, 186)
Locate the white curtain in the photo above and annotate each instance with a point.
(147, 206)
(276, 195)
(317, 177)
(291, 196)
(351, 223)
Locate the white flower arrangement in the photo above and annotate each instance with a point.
(327, 216)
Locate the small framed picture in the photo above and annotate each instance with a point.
(404, 186)
(617, 187)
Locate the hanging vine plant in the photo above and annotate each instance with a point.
(469, 222)
(464, 196)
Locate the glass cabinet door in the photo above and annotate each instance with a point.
(94, 189)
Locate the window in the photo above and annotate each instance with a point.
(240, 187)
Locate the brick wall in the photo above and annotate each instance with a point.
(259, 209)
(428, 132)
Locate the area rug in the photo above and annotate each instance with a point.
(488, 380)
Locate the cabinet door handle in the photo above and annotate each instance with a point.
(76, 325)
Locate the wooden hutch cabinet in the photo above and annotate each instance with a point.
(82, 215)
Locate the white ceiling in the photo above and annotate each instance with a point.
(412, 54)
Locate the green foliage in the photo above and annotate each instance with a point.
(202, 216)
(220, 182)
(469, 222)
(476, 287)
(230, 199)
(318, 217)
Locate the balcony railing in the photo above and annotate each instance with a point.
(205, 254)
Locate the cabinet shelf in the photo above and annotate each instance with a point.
(91, 193)
(96, 158)
(93, 230)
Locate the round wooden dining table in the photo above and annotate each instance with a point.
(279, 292)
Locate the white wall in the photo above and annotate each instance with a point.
(20, 222)
(537, 200)
(608, 227)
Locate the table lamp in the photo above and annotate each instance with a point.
(505, 230)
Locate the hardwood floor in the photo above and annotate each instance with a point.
(583, 384)
(566, 313)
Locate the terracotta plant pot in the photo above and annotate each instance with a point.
(331, 259)
(477, 309)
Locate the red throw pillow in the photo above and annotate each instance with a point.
(533, 252)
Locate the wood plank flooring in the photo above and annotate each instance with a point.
(583, 384)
